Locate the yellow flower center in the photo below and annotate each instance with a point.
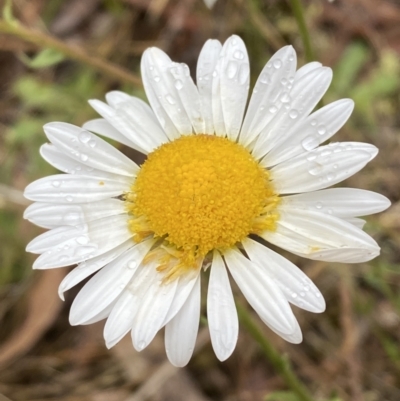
(199, 193)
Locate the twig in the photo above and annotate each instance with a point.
(44, 40)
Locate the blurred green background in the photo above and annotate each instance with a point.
(54, 56)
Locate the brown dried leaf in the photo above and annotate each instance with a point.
(43, 307)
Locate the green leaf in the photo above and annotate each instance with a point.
(45, 58)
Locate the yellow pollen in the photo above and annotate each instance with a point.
(199, 193)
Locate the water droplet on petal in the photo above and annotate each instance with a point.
(313, 123)
(56, 183)
(265, 78)
(156, 78)
(294, 295)
(84, 157)
(84, 136)
(321, 129)
(178, 84)
(132, 264)
(303, 294)
(318, 205)
(273, 109)
(82, 240)
(170, 99)
(284, 81)
(92, 143)
(277, 64)
(309, 143)
(231, 69)
(293, 114)
(69, 198)
(63, 258)
(239, 55)
(315, 169)
(285, 98)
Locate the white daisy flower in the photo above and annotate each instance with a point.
(214, 181)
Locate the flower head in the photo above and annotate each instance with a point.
(216, 180)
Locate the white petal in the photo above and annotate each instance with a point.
(359, 223)
(317, 235)
(103, 127)
(319, 168)
(216, 102)
(51, 215)
(134, 119)
(205, 68)
(262, 293)
(162, 93)
(296, 337)
(64, 246)
(107, 284)
(183, 289)
(306, 69)
(62, 162)
(153, 308)
(339, 202)
(311, 132)
(295, 285)
(189, 95)
(181, 331)
(272, 82)
(85, 147)
(86, 268)
(301, 100)
(66, 188)
(234, 84)
(100, 316)
(123, 314)
(221, 310)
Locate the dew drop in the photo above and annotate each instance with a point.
(311, 157)
(306, 288)
(321, 129)
(317, 294)
(315, 169)
(309, 143)
(56, 183)
(265, 79)
(92, 143)
(231, 69)
(318, 205)
(82, 240)
(330, 211)
(151, 68)
(303, 294)
(293, 114)
(294, 295)
(239, 55)
(84, 137)
(335, 166)
(156, 78)
(69, 198)
(313, 123)
(284, 81)
(178, 84)
(63, 258)
(170, 99)
(285, 98)
(215, 73)
(84, 157)
(273, 109)
(132, 264)
(277, 64)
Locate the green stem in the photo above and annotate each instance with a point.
(280, 362)
(298, 12)
(43, 40)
